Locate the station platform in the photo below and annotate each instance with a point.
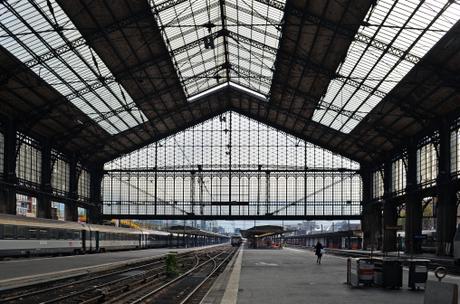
(292, 276)
(27, 271)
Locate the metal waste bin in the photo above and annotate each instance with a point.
(362, 272)
(391, 273)
(378, 271)
(418, 273)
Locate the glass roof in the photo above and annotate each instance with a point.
(30, 29)
(371, 70)
(211, 45)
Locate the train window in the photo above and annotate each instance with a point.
(61, 234)
(69, 234)
(1, 232)
(21, 232)
(8, 232)
(52, 234)
(43, 234)
(33, 233)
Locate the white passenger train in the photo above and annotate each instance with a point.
(21, 235)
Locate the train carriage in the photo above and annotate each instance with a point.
(26, 236)
(23, 236)
(106, 238)
(155, 239)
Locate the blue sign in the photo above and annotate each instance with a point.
(420, 237)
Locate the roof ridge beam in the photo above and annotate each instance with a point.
(273, 3)
(183, 17)
(225, 32)
(251, 74)
(252, 42)
(212, 70)
(165, 5)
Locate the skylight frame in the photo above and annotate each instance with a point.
(28, 31)
(372, 79)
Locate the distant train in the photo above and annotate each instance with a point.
(23, 236)
(236, 240)
(350, 239)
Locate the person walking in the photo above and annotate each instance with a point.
(318, 252)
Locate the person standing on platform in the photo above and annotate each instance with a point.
(319, 252)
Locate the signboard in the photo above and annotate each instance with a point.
(420, 237)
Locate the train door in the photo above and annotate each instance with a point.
(83, 240)
(96, 235)
(90, 240)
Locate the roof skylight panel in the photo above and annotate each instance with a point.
(248, 25)
(409, 26)
(28, 31)
(258, 22)
(184, 32)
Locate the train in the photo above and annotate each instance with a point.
(236, 240)
(350, 239)
(26, 236)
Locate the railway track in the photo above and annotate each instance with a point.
(192, 284)
(115, 285)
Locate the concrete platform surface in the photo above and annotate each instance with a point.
(292, 276)
(30, 269)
